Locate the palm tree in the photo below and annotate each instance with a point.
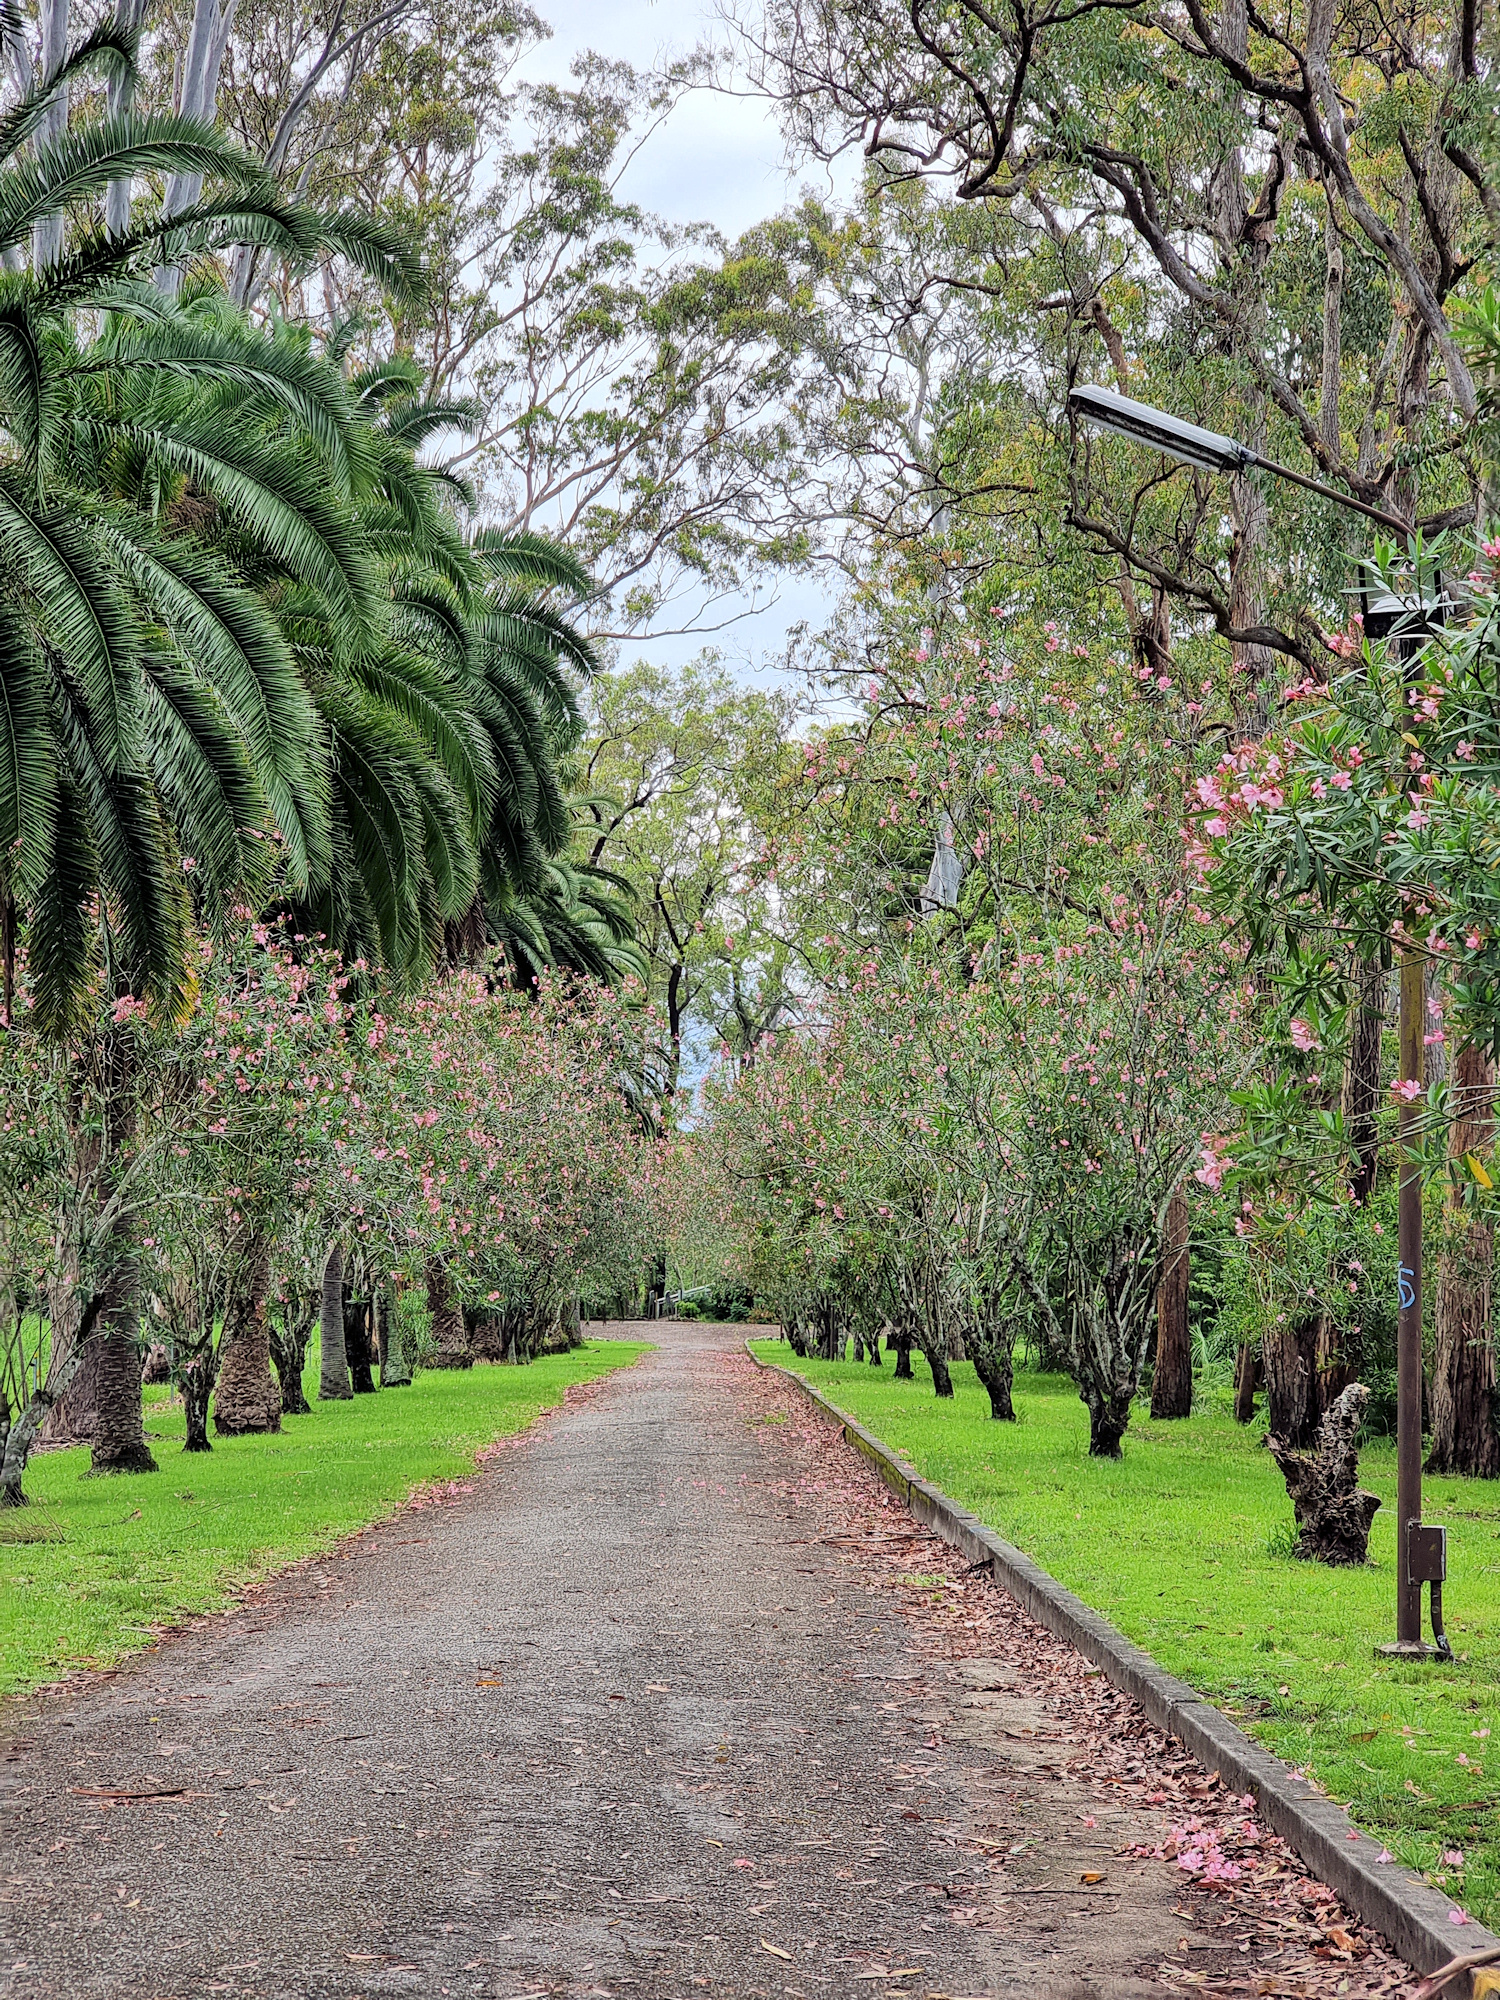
(447, 732)
(157, 744)
(150, 710)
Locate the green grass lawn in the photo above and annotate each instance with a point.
(1182, 1543)
(144, 1549)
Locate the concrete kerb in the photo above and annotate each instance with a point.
(1412, 1917)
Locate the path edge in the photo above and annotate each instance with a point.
(1411, 1916)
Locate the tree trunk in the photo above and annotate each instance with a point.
(208, 37)
(121, 100)
(357, 1330)
(992, 1364)
(1465, 1438)
(1338, 1363)
(1333, 1513)
(1361, 1088)
(449, 1338)
(288, 1342)
(120, 1441)
(903, 1356)
(1246, 1372)
(333, 1385)
(247, 1397)
(489, 1336)
(395, 1369)
(1289, 1358)
(1109, 1418)
(570, 1319)
(1172, 1386)
(74, 1417)
(197, 1382)
(942, 1381)
(25, 1429)
(47, 231)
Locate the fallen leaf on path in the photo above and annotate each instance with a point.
(98, 1792)
(1093, 1875)
(774, 1949)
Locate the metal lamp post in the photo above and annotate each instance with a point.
(1421, 1552)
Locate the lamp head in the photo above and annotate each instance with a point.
(1209, 450)
(1411, 615)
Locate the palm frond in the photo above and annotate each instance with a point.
(77, 166)
(77, 607)
(28, 776)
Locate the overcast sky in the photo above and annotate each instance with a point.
(717, 158)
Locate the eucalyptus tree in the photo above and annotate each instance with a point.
(1222, 219)
(675, 772)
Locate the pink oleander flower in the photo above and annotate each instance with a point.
(1465, 749)
(1302, 1035)
(1407, 1089)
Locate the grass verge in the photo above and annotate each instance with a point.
(145, 1549)
(1184, 1544)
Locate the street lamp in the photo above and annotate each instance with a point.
(1421, 1552)
(1210, 451)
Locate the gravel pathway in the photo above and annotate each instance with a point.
(674, 1702)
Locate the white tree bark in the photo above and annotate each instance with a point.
(197, 97)
(129, 14)
(47, 234)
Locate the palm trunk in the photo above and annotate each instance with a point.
(120, 1442)
(334, 1383)
(450, 1338)
(1172, 1385)
(247, 1397)
(1465, 1438)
